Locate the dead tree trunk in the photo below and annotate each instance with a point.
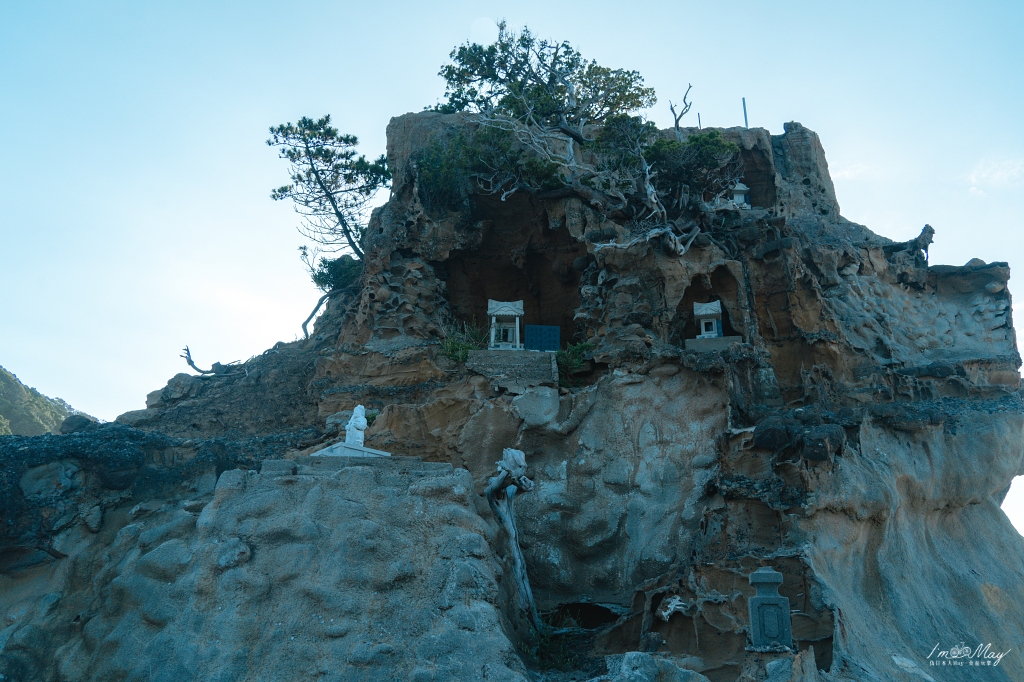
(501, 491)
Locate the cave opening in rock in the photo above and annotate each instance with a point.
(518, 258)
(759, 176)
(719, 285)
(582, 614)
(681, 623)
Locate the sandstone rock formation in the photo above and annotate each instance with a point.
(859, 440)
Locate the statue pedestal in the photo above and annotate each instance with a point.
(349, 450)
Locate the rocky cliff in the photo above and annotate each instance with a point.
(858, 438)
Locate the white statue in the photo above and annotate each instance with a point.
(355, 427)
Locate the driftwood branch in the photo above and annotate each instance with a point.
(501, 491)
(670, 241)
(188, 359)
(217, 370)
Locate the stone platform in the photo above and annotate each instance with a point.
(515, 371)
(349, 450)
(326, 466)
(712, 344)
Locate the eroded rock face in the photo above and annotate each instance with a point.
(618, 486)
(344, 570)
(859, 440)
(912, 517)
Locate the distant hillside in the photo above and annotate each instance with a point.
(25, 411)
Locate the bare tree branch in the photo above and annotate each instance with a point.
(188, 359)
(685, 109)
(218, 369)
(332, 292)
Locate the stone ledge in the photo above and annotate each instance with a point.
(349, 450)
(325, 466)
(714, 344)
(515, 371)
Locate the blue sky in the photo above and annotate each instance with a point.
(134, 180)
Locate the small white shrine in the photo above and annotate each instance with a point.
(709, 319)
(741, 195)
(354, 438)
(710, 333)
(505, 318)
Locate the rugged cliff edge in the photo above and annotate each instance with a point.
(859, 439)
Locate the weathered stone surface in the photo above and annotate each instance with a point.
(710, 345)
(515, 371)
(637, 666)
(76, 422)
(323, 574)
(864, 431)
(823, 442)
(51, 480)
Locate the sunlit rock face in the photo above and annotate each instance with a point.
(858, 439)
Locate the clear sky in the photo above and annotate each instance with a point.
(135, 215)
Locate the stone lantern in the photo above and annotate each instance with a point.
(709, 319)
(741, 195)
(771, 628)
(505, 318)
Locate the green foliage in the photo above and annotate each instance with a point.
(710, 150)
(442, 170)
(537, 105)
(457, 341)
(456, 350)
(488, 157)
(330, 185)
(498, 161)
(570, 361)
(619, 148)
(332, 273)
(519, 75)
(622, 140)
(540, 101)
(671, 159)
(700, 164)
(25, 411)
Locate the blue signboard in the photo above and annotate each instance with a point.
(542, 337)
